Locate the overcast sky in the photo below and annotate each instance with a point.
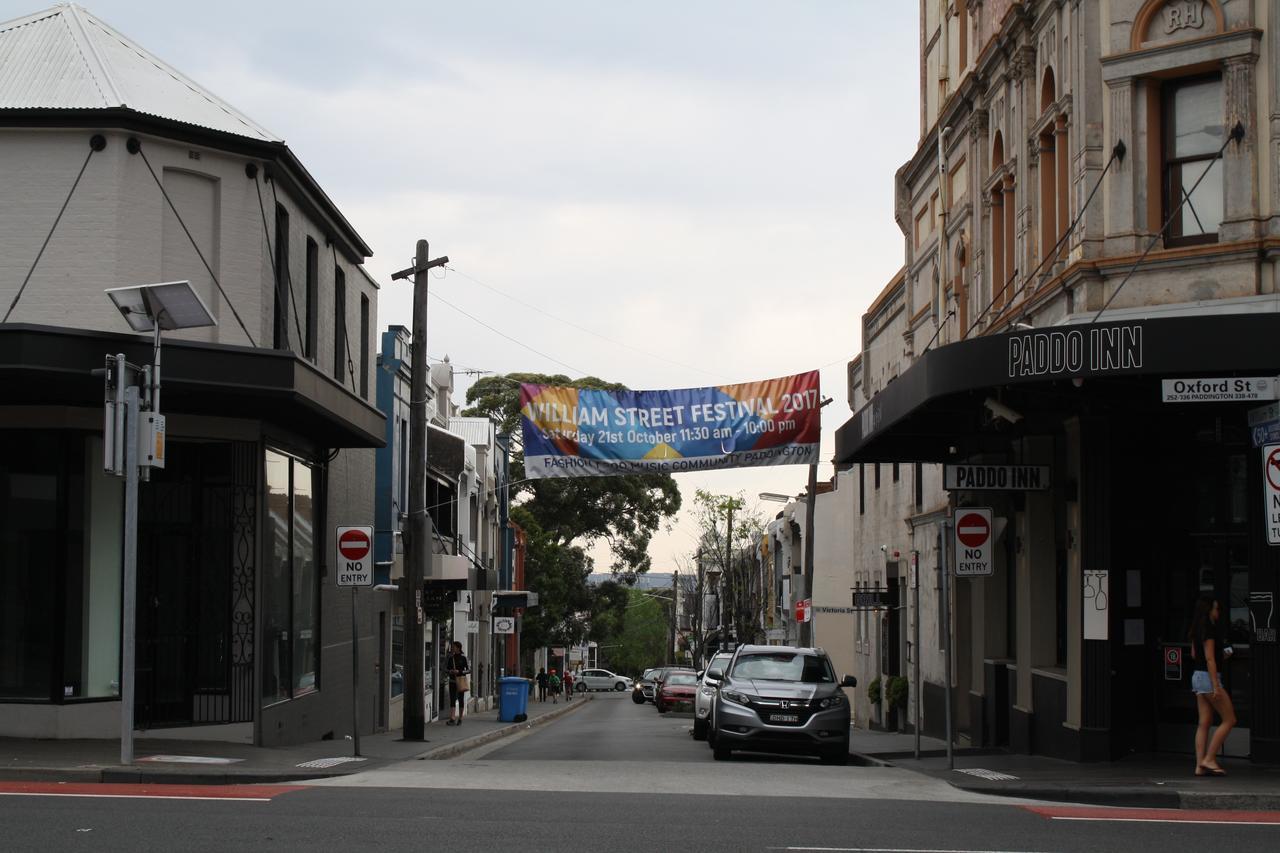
(708, 186)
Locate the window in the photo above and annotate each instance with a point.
(339, 325)
(877, 474)
(290, 587)
(919, 478)
(280, 339)
(897, 472)
(364, 346)
(862, 489)
(313, 297)
(1193, 134)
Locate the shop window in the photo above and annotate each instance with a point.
(897, 472)
(291, 587)
(877, 475)
(1193, 135)
(862, 489)
(339, 325)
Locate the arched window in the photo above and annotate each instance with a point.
(1048, 168)
(961, 286)
(1000, 211)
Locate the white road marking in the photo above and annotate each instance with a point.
(1270, 823)
(890, 850)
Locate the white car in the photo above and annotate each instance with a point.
(706, 692)
(600, 679)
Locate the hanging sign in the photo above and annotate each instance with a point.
(587, 432)
(995, 477)
(504, 624)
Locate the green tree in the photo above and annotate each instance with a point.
(642, 640)
(738, 589)
(564, 517)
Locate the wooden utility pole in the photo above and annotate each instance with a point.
(417, 535)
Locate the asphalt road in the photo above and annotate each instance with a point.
(611, 776)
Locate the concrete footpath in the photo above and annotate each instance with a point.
(208, 762)
(1156, 780)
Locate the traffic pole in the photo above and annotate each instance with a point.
(915, 658)
(945, 553)
(355, 676)
(128, 651)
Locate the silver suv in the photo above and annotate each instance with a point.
(781, 699)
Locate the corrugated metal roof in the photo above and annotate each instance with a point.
(66, 58)
(478, 432)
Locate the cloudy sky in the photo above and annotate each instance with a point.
(706, 185)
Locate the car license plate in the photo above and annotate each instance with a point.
(784, 718)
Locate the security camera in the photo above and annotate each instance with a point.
(884, 548)
(1000, 410)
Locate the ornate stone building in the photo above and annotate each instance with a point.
(1090, 215)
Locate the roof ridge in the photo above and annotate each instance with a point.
(99, 72)
(105, 30)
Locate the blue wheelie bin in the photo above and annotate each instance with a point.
(513, 699)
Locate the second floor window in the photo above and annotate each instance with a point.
(1193, 134)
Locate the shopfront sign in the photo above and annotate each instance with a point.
(1271, 491)
(1262, 613)
(354, 558)
(1172, 663)
(996, 477)
(883, 598)
(1222, 390)
(973, 542)
(504, 624)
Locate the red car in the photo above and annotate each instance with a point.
(677, 687)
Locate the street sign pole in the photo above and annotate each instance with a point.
(355, 675)
(130, 597)
(944, 551)
(915, 661)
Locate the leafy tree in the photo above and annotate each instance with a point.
(642, 640)
(738, 593)
(565, 516)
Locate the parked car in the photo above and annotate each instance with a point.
(643, 690)
(678, 688)
(707, 684)
(660, 675)
(781, 699)
(600, 679)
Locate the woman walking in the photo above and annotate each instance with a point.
(1209, 652)
(459, 684)
(542, 684)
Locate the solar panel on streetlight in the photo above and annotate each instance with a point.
(174, 304)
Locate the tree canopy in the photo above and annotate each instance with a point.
(564, 517)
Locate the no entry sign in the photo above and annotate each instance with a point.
(973, 542)
(1271, 491)
(354, 559)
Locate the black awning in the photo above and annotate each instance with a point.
(47, 365)
(937, 404)
(508, 599)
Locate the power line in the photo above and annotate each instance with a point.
(582, 328)
(476, 319)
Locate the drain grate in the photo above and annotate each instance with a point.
(322, 763)
(989, 775)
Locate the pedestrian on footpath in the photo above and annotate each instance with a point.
(1209, 651)
(459, 683)
(542, 684)
(568, 686)
(553, 685)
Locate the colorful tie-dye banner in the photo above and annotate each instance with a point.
(579, 432)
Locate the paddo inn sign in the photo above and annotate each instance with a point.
(1182, 346)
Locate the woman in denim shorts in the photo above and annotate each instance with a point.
(1209, 652)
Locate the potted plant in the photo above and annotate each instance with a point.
(896, 696)
(873, 696)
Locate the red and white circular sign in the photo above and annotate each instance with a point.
(973, 530)
(1271, 467)
(353, 544)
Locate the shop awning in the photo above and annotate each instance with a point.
(48, 365)
(935, 410)
(512, 598)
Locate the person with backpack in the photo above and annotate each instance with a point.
(553, 684)
(542, 684)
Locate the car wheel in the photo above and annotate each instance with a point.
(620, 686)
(837, 755)
(662, 709)
(638, 698)
(699, 729)
(721, 753)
